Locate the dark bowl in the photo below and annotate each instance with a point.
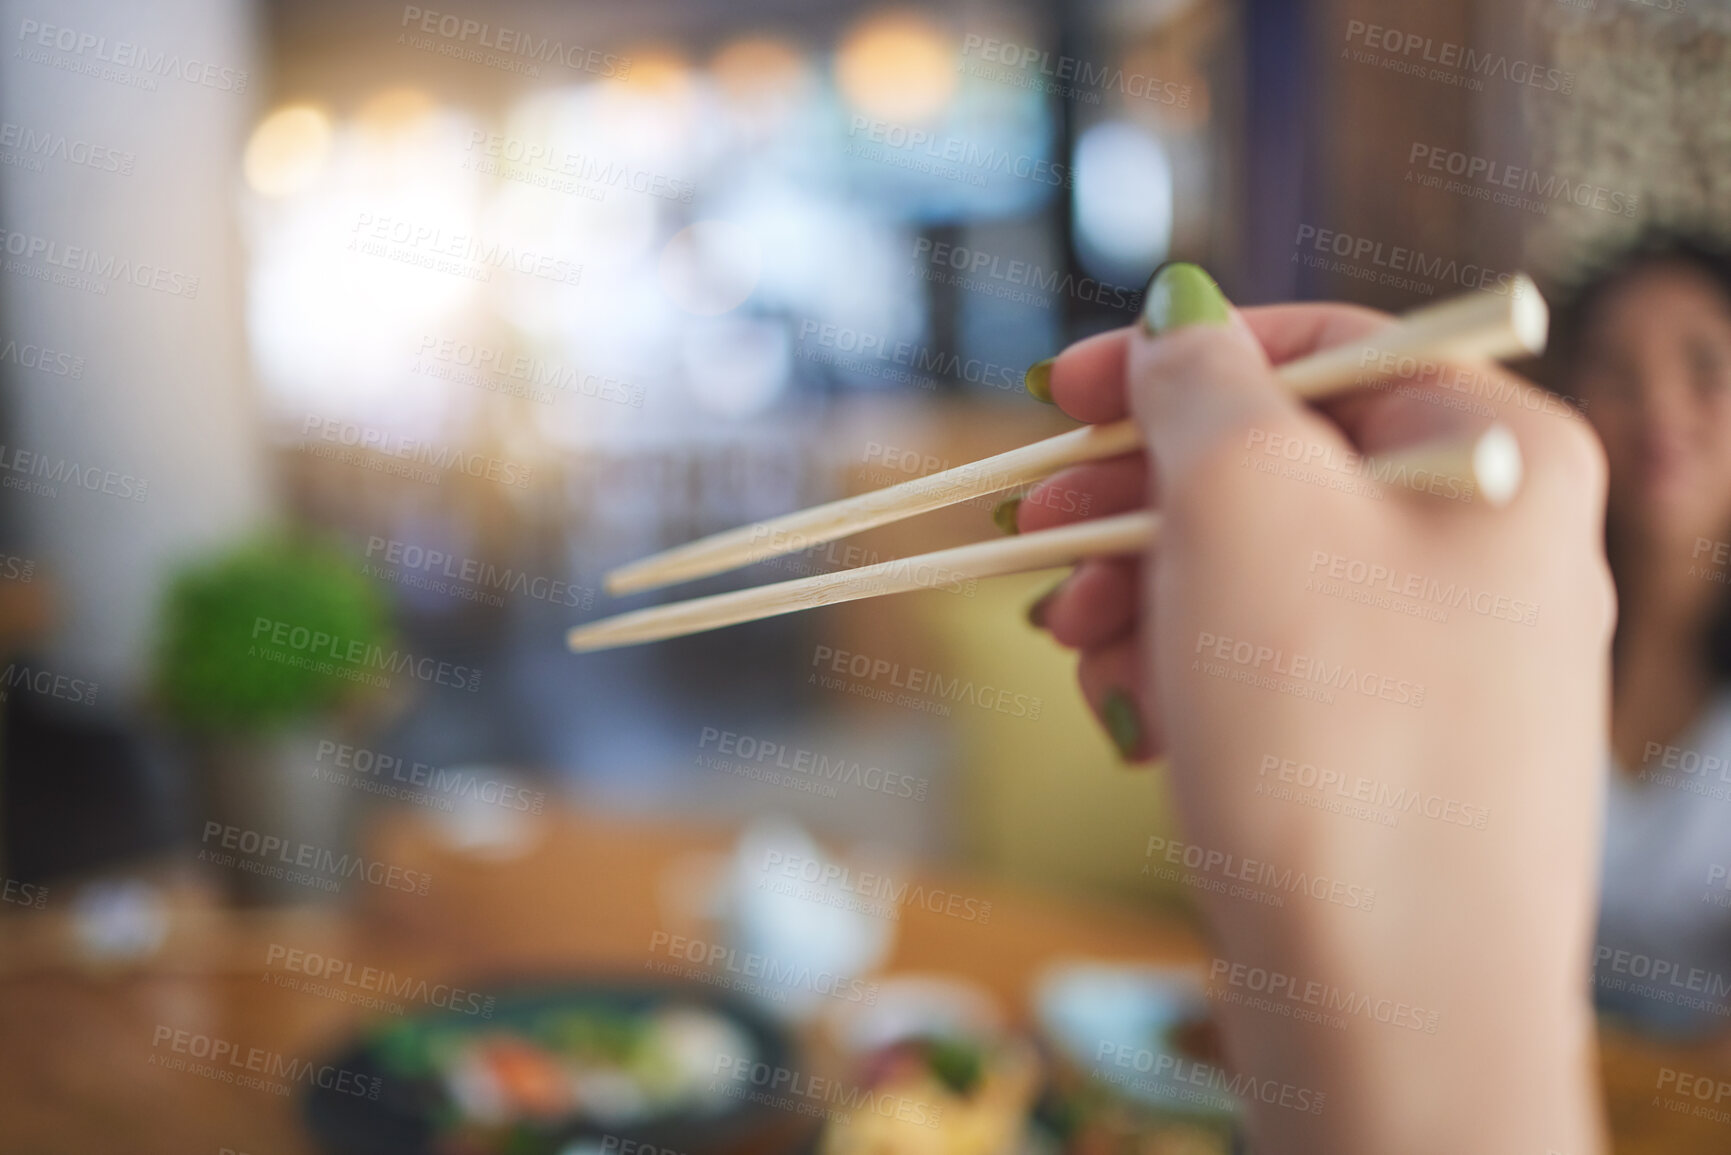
(404, 1119)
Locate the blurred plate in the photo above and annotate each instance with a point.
(425, 1066)
(1122, 1025)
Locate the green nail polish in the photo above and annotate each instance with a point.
(1004, 515)
(1037, 611)
(1182, 294)
(1118, 714)
(1038, 380)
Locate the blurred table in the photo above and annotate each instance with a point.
(76, 1069)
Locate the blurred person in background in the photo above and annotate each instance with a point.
(1647, 350)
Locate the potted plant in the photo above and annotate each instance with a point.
(249, 671)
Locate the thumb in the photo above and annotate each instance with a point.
(1197, 373)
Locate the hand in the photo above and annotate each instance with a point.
(1253, 648)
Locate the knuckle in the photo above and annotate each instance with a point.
(1576, 454)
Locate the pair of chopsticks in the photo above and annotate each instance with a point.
(1471, 327)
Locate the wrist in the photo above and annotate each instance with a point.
(1422, 1056)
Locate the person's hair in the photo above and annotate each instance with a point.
(1655, 249)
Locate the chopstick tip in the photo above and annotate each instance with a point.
(626, 579)
(1529, 316)
(1497, 465)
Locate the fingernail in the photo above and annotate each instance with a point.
(1118, 715)
(1038, 380)
(1182, 294)
(1037, 611)
(1004, 515)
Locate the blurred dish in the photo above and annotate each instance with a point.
(553, 1066)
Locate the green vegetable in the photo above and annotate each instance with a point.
(957, 1065)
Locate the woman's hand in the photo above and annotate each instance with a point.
(1397, 700)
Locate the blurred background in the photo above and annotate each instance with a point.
(347, 344)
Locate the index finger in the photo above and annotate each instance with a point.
(1088, 379)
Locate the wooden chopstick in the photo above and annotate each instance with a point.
(1489, 462)
(949, 569)
(1474, 326)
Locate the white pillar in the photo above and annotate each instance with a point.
(163, 395)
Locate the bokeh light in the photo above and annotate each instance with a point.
(1123, 199)
(897, 65)
(287, 151)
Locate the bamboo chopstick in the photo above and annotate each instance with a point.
(1474, 326)
(1490, 464)
(943, 569)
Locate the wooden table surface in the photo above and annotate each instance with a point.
(80, 1052)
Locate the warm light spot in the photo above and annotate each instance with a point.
(758, 69)
(287, 151)
(395, 110)
(658, 71)
(897, 65)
